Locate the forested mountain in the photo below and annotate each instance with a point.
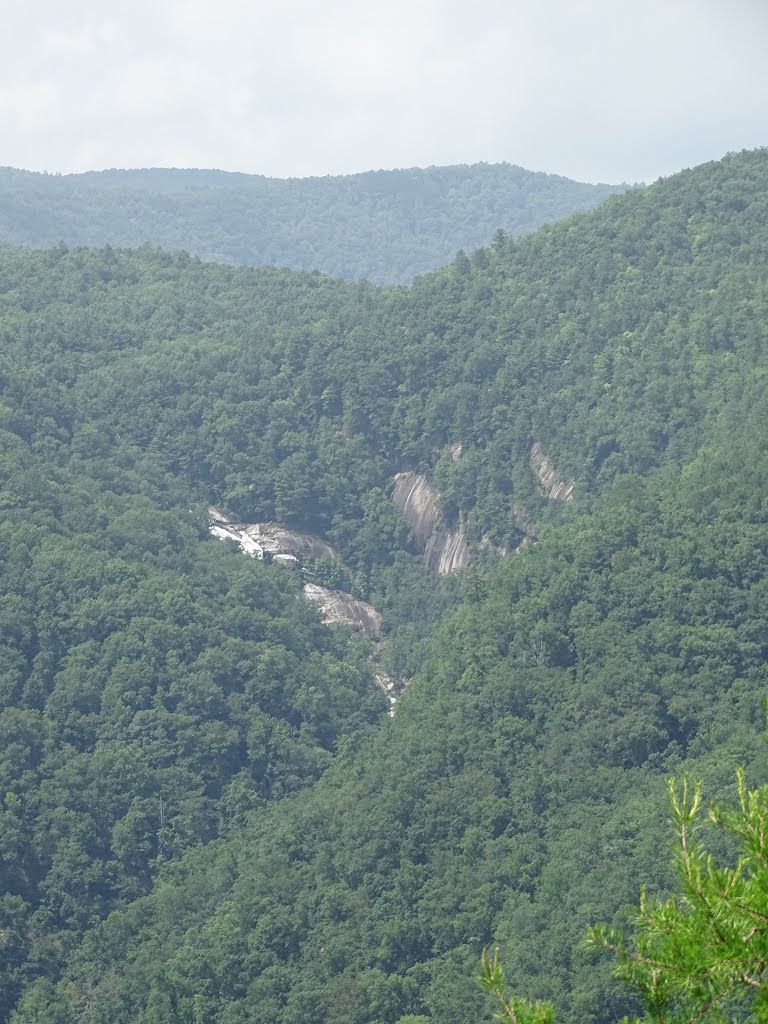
(387, 226)
(208, 814)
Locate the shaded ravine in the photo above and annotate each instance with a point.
(443, 546)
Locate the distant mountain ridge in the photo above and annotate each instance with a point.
(386, 226)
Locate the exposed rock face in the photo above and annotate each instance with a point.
(389, 688)
(337, 606)
(444, 549)
(417, 500)
(267, 539)
(233, 531)
(284, 546)
(275, 542)
(555, 488)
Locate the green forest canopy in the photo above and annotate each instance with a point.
(207, 813)
(387, 226)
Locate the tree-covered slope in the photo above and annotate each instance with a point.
(516, 796)
(324, 862)
(387, 226)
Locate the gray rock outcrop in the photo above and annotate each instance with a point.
(338, 606)
(445, 548)
(271, 540)
(275, 542)
(555, 488)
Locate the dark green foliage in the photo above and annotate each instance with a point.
(508, 801)
(387, 226)
(154, 687)
(209, 816)
(700, 955)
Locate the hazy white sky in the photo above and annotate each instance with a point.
(594, 89)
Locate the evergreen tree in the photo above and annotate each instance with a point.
(701, 955)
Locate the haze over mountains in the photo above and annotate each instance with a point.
(207, 812)
(386, 226)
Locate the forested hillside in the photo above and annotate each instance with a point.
(386, 226)
(209, 815)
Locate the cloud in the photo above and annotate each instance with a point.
(84, 41)
(595, 90)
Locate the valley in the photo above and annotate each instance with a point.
(525, 497)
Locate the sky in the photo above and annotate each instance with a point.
(597, 90)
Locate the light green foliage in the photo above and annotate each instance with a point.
(701, 955)
(511, 1008)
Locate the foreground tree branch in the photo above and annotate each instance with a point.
(699, 956)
